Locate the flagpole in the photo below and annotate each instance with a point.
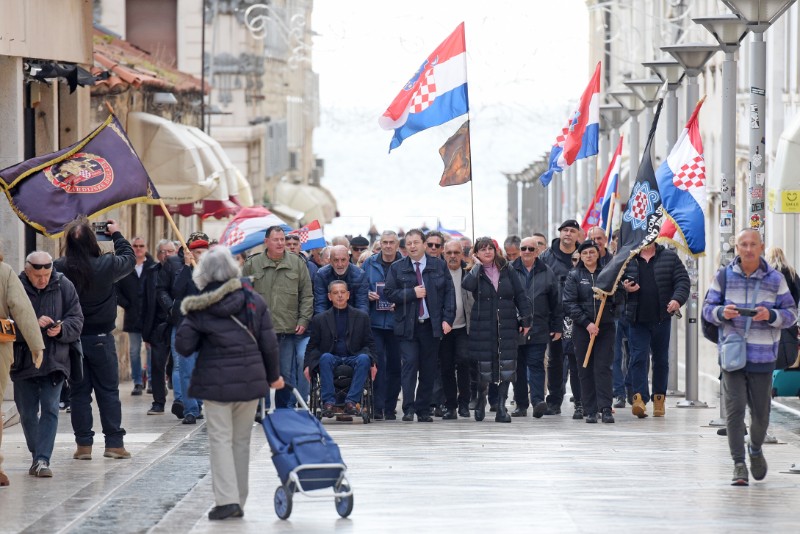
(592, 338)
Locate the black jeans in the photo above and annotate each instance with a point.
(454, 367)
(387, 381)
(420, 356)
(597, 390)
(101, 376)
(555, 373)
(158, 360)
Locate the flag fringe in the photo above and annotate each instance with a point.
(683, 247)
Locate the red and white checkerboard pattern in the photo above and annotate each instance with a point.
(303, 233)
(639, 206)
(426, 93)
(691, 175)
(236, 236)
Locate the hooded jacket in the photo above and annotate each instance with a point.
(233, 364)
(559, 262)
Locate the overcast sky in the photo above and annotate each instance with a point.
(526, 61)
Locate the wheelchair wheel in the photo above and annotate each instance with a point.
(344, 505)
(283, 503)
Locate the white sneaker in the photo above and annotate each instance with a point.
(43, 469)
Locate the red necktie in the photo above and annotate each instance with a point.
(419, 283)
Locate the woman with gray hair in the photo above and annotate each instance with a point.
(228, 324)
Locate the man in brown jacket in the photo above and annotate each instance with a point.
(15, 303)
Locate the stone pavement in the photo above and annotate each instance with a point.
(551, 474)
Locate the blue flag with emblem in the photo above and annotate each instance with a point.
(641, 220)
(99, 173)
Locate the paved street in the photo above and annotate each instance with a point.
(548, 475)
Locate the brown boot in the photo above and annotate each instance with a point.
(4, 479)
(639, 408)
(658, 406)
(118, 453)
(84, 452)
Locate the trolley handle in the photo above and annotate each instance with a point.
(297, 396)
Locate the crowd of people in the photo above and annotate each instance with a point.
(451, 325)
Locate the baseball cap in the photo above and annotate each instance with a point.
(569, 223)
(197, 240)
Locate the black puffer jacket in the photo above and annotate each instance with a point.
(541, 288)
(672, 282)
(231, 365)
(494, 323)
(131, 294)
(579, 301)
(59, 301)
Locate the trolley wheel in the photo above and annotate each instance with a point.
(344, 505)
(283, 503)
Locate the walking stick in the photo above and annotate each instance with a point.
(591, 340)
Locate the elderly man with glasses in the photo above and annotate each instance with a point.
(38, 390)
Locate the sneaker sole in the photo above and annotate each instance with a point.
(116, 456)
(81, 456)
(47, 474)
(639, 412)
(740, 482)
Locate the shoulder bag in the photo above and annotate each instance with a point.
(8, 332)
(733, 349)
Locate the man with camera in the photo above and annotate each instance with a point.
(94, 274)
(38, 390)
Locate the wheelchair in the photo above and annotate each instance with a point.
(342, 378)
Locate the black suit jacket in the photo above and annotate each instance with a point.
(323, 336)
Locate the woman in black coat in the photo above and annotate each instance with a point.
(230, 328)
(787, 346)
(581, 305)
(501, 310)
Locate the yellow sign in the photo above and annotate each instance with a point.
(784, 201)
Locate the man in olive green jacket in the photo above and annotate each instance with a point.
(281, 277)
(14, 303)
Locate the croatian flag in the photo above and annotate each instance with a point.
(452, 233)
(682, 182)
(310, 236)
(246, 230)
(436, 94)
(599, 212)
(579, 138)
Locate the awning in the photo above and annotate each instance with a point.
(190, 170)
(784, 184)
(290, 215)
(314, 202)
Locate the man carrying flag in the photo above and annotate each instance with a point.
(682, 182)
(436, 94)
(579, 138)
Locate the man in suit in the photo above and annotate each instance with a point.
(424, 295)
(341, 335)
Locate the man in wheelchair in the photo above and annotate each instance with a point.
(340, 335)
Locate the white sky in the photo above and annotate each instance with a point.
(527, 59)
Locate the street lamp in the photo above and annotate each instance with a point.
(646, 91)
(632, 104)
(670, 72)
(692, 57)
(759, 16)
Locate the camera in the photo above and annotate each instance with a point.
(100, 230)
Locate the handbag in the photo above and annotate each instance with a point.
(75, 362)
(8, 332)
(733, 349)
(710, 330)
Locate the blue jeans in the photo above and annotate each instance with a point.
(32, 395)
(386, 388)
(191, 406)
(135, 354)
(291, 351)
(101, 376)
(177, 391)
(530, 374)
(621, 358)
(328, 362)
(642, 338)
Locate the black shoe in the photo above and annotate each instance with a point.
(189, 419)
(463, 411)
(156, 409)
(177, 409)
(572, 399)
(137, 390)
(408, 416)
(377, 416)
(578, 414)
(553, 409)
(472, 403)
(390, 416)
(540, 409)
(224, 512)
(607, 416)
(424, 418)
(438, 411)
(502, 417)
(619, 402)
(493, 407)
(520, 412)
(591, 418)
(450, 415)
(480, 409)
(149, 389)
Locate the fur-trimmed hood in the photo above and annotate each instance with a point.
(207, 299)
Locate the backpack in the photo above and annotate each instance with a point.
(710, 330)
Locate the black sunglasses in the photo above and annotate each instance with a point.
(39, 267)
(528, 249)
(434, 245)
(359, 249)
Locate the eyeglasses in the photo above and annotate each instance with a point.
(529, 249)
(40, 266)
(359, 249)
(433, 245)
(138, 246)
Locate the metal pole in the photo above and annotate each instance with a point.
(633, 156)
(757, 170)
(673, 389)
(692, 371)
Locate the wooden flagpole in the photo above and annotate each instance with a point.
(592, 338)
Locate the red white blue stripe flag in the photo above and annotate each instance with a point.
(436, 94)
(682, 182)
(246, 230)
(579, 138)
(600, 208)
(311, 236)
